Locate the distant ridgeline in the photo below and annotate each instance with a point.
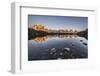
(39, 30)
(83, 33)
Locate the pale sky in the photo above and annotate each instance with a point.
(59, 22)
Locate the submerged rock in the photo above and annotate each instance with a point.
(81, 40)
(72, 44)
(61, 53)
(67, 49)
(53, 51)
(85, 43)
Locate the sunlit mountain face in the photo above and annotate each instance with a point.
(40, 27)
(57, 37)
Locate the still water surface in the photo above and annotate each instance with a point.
(57, 47)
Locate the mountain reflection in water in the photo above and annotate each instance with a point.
(45, 38)
(57, 47)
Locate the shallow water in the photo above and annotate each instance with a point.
(57, 47)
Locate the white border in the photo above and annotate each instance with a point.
(19, 29)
